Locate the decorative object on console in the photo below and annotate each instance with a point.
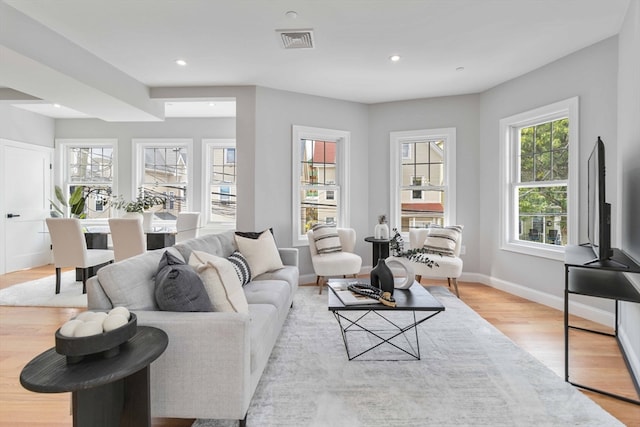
(381, 230)
(220, 281)
(179, 287)
(382, 277)
(261, 252)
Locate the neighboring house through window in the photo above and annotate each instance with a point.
(539, 172)
(320, 188)
(91, 164)
(220, 175)
(162, 168)
(422, 178)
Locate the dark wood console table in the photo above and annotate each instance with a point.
(600, 279)
(106, 392)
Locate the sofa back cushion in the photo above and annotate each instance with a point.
(220, 244)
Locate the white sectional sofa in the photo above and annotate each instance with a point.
(214, 360)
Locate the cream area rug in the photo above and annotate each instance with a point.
(41, 292)
(470, 374)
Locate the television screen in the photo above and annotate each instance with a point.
(599, 211)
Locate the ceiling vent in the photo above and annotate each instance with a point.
(296, 39)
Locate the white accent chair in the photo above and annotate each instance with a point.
(449, 267)
(70, 249)
(187, 226)
(128, 237)
(344, 263)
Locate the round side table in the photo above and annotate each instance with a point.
(105, 391)
(380, 248)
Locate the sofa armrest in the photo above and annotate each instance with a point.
(289, 256)
(207, 359)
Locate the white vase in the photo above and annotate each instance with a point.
(147, 221)
(381, 231)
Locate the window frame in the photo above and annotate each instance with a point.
(396, 139)
(138, 146)
(207, 144)
(509, 181)
(340, 188)
(62, 159)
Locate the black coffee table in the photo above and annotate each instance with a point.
(383, 324)
(105, 391)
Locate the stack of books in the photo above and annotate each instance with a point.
(340, 289)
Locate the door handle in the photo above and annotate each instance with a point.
(12, 215)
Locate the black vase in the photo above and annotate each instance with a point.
(382, 277)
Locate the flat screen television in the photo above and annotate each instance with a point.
(599, 211)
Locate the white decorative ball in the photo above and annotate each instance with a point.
(97, 317)
(68, 329)
(89, 328)
(114, 321)
(85, 315)
(121, 310)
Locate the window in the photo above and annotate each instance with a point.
(162, 168)
(90, 165)
(320, 189)
(220, 175)
(539, 155)
(422, 178)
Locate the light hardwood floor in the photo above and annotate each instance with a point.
(27, 331)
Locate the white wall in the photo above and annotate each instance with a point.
(20, 125)
(276, 112)
(629, 167)
(460, 112)
(590, 74)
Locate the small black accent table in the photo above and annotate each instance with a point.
(600, 279)
(105, 391)
(379, 323)
(380, 248)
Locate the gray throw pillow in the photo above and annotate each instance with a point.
(179, 287)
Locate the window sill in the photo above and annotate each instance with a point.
(536, 249)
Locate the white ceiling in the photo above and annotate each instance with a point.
(234, 42)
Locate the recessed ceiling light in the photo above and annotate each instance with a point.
(394, 58)
(212, 104)
(459, 68)
(292, 14)
(57, 105)
(181, 62)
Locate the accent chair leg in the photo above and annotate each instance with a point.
(243, 422)
(58, 278)
(418, 278)
(85, 273)
(455, 285)
(320, 283)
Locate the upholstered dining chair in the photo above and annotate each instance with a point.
(336, 258)
(187, 226)
(70, 249)
(128, 237)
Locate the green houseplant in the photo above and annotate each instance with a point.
(77, 201)
(143, 201)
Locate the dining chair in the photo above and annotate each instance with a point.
(187, 226)
(128, 237)
(70, 249)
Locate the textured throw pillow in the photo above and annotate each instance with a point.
(178, 286)
(241, 266)
(261, 253)
(220, 281)
(326, 239)
(443, 240)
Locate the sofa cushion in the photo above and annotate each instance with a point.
(288, 273)
(221, 244)
(131, 282)
(179, 287)
(241, 265)
(261, 253)
(220, 281)
(326, 239)
(443, 240)
(274, 292)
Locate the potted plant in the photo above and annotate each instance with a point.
(140, 206)
(77, 201)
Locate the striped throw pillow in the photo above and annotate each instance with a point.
(326, 239)
(443, 240)
(241, 266)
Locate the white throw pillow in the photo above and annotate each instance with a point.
(261, 253)
(220, 281)
(443, 240)
(326, 239)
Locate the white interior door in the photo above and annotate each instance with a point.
(26, 190)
